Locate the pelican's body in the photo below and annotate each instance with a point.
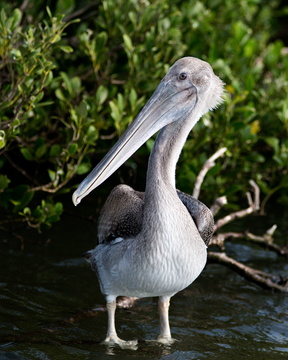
(163, 268)
(154, 244)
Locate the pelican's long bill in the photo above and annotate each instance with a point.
(174, 99)
(159, 111)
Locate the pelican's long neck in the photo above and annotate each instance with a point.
(164, 157)
(162, 206)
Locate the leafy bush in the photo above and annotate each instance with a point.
(70, 88)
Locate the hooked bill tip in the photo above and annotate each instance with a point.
(76, 200)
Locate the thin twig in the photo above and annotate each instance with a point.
(258, 277)
(256, 202)
(220, 238)
(16, 235)
(50, 188)
(218, 204)
(253, 207)
(267, 197)
(108, 137)
(81, 11)
(20, 169)
(231, 217)
(265, 241)
(209, 163)
(24, 5)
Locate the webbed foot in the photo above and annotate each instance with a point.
(113, 340)
(165, 340)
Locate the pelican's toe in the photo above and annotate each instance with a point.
(115, 340)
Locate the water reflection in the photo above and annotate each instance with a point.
(51, 307)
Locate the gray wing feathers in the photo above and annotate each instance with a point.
(201, 215)
(122, 214)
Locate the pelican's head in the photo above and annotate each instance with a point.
(190, 88)
(196, 74)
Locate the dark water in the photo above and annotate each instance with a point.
(51, 307)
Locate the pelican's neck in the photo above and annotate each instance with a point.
(164, 157)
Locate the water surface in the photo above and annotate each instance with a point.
(51, 306)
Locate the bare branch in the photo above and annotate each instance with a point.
(253, 207)
(20, 169)
(267, 197)
(51, 188)
(265, 241)
(249, 199)
(108, 137)
(24, 5)
(218, 203)
(236, 215)
(81, 11)
(219, 239)
(209, 163)
(260, 278)
(256, 190)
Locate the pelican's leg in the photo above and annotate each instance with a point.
(165, 334)
(111, 332)
(112, 337)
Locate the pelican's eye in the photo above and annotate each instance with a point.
(183, 76)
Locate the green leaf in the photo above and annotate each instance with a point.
(101, 94)
(22, 201)
(115, 113)
(52, 174)
(58, 208)
(150, 144)
(67, 49)
(91, 135)
(121, 102)
(133, 18)
(4, 182)
(2, 139)
(41, 151)
(75, 85)
(128, 42)
(83, 169)
(60, 95)
(55, 150)
(67, 82)
(26, 211)
(49, 12)
(3, 17)
(37, 213)
(38, 98)
(65, 6)
(273, 142)
(81, 110)
(133, 98)
(15, 19)
(72, 149)
(101, 40)
(27, 154)
(15, 54)
(240, 31)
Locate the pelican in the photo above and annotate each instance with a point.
(154, 244)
